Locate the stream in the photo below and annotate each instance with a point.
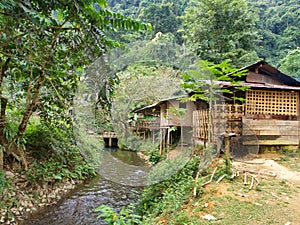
(119, 184)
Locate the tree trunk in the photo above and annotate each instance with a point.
(1, 158)
(11, 148)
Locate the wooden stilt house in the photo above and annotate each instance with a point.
(168, 122)
(270, 113)
(268, 117)
(272, 105)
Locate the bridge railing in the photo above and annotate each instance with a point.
(108, 134)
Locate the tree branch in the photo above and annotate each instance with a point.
(3, 70)
(65, 28)
(3, 100)
(29, 88)
(31, 107)
(11, 39)
(3, 111)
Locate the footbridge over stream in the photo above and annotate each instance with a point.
(110, 138)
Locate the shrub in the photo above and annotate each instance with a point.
(125, 217)
(3, 181)
(168, 195)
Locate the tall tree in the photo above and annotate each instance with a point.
(162, 17)
(220, 29)
(278, 26)
(44, 46)
(161, 50)
(290, 64)
(137, 88)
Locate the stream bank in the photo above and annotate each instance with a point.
(17, 200)
(77, 206)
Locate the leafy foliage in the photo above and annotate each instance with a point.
(203, 81)
(125, 217)
(3, 181)
(215, 38)
(54, 169)
(252, 29)
(44, 47)
(290, 63)
(162, 51)
(168, 195)
(56, 157)
(162, 17)
(278, 26)
(155, 156)
(136, 89)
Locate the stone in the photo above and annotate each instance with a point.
(9, 174)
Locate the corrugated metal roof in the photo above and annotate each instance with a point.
(265, 67)
(159, 103)
(259, 85)
(289, 82)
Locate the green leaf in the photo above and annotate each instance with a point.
(102, 3)
(239, 99)
(226, 91)
(60, 15)
(57, 177)
(224, 78)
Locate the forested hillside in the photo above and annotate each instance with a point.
(243, 31)
(71, 72)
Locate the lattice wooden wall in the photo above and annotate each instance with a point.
(272, 102)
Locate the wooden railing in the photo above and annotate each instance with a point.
(147, 124)
(108, 134)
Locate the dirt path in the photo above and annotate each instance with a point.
(281, 173)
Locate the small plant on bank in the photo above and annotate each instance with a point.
(125, 217)
(54, 170)
(4, 183)
(224, 169)
(155, 156)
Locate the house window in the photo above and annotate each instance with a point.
(182, 105)
(271, 102)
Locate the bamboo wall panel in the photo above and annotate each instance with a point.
(200, 126)
(272, 102)
(225, 118)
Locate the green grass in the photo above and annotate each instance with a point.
(230, 201)
(264, 205)
(292, 163)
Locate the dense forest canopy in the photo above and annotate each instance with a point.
(246, 30)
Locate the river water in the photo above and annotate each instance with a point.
(119, 184)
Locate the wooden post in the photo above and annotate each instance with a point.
(109, 142)
(168, 137)
(227, 146)
(1, 158)
(153, 137)
(161, 141)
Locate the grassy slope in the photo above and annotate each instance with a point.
(231, 202)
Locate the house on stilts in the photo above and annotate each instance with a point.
(268, 117)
